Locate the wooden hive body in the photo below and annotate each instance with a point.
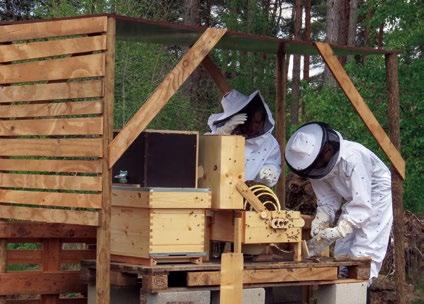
(158, 222)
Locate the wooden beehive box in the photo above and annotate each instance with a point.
(158, 223)
(222, 160)
(161, 158)
(256, 229)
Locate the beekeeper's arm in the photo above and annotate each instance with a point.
(270, 171)
(356, 212)
(328, 203)
(228, 127)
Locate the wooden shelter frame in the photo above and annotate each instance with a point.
(95, 66)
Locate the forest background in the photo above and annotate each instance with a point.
(312, 93)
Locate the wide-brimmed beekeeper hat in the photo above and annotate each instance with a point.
(305, 147)
(234, 102)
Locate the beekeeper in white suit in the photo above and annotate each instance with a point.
(345, 176)
(250, 117)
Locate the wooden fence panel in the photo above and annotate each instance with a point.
(52, 258)
(51, 165)
(52, 28)
(66, 126)
(87, 147)
(51, 109)
(50, 48)
(52, 91)
(55, 69)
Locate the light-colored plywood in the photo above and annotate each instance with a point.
(142, 232)
(130, 232)
(231, 278)
(164, 92)
(91, 147)
(222, 159)
(43, 29)
(25, 51)
(37, 181)
(52, 91)
(177, 227)
(64, 126)
(49, 215)
(255, 229)
(361, 107)
(51, 199)
(50, 109)
(54, 69)
(147, 199)
(261, 276)
(51, 165)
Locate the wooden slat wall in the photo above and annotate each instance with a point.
(53, 276)
(51, 120)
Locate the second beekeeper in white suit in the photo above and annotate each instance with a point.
(348, 177)
(250, 117)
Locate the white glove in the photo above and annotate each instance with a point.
(231, 124)
(331, 235)
(319, 223)
(268, 174)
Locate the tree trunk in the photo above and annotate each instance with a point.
(332, 26)
(295, 102)
(307, 37)
(380, 36)
(191, 11)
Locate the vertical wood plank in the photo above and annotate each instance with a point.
(238, 230)
(216, 75)
(164, 92)
(280, 118)
(51, 263)
(3, 261)
(231, 288)
(397, 184)
(103, 231)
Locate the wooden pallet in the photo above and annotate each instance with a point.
(155, 260)
(158, 278)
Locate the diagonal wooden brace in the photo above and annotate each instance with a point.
(361, 107)
(164, 92)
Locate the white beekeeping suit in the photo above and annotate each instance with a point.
(262, 152)
(354, 181)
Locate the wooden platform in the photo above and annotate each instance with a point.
(162, 277)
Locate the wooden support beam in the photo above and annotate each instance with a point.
(261, 276)
(103, 231)
(216, 75)
(16, 230)
(280, 119)
(164, 92)
(397, 184)
(361, 107)
(51, 263)
(230, 278)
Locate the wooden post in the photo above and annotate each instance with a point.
(51, 263)
(103, 231)
(280, 118)
(3, 263)
(216, 75)
(397, 187)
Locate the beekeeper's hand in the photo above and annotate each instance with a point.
(268, 175)
(231, 124)
(320, 222)
(331, 235)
